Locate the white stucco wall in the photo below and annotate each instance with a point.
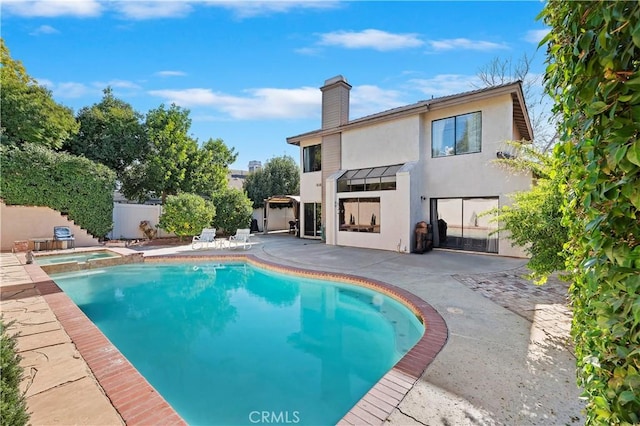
(396, 224)
(393, 233)
(477, 174)
(383, 144)
(310, 182)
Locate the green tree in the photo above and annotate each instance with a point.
(166, 168)
(186, 214)
(29, 114)
(593, 75)
(280, 176)
(209, 168)
(234, 210)
(111, 133)
(534, 220)
(13, 405)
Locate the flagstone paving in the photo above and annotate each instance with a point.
(59, 386)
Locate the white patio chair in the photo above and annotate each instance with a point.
(207, 236)
(241, 238)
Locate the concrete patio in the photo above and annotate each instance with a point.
(507, 359)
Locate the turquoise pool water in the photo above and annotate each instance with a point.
(231, 343)
(80, 257)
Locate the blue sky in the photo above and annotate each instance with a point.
(250, 71)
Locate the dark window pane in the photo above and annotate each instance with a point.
(372, 184)
(362, 173)
(392, 170)
(377, 172)
(356, 185)
(312, 158)
(312, 219)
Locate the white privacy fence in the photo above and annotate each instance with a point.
(127, 218)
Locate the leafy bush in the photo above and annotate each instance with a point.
(234, 210)
(535, 217)
(593, 73)
(36, 176)
(186, 214)
(13, 405)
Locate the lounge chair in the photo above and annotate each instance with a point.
(241, 238)
(63, 233)
(207, 236)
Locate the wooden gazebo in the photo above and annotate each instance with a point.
(281, 200)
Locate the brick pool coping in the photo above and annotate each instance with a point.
(138, 402)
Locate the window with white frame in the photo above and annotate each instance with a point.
(312, 158)
(461, 134)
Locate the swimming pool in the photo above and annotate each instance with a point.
(224, 342)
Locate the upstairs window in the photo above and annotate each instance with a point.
(312, 158)
(457, 135)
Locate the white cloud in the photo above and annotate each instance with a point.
(75, 90)
(368, 99)
(52, 8)
(141, 10)
(446, 84)
(249, 9)
(370, 39)
(44, 29)
(116, 84)
(264, 103)
(72, 90)
(272, 103)
(45, 83)
(465, 44)
(65, 90)
(169, 73)
(308, 51)
(156, 9)
(536, 36)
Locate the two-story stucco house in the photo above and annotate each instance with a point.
(368, 182)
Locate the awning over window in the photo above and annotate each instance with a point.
(369, 179)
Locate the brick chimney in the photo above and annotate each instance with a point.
(335, 102)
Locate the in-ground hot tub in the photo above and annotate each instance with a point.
(79, 260)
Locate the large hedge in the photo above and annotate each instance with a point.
(593, 74)
(36, 176)
(13, 405)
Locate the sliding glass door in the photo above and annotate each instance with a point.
(460, 223)
(312, 219)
